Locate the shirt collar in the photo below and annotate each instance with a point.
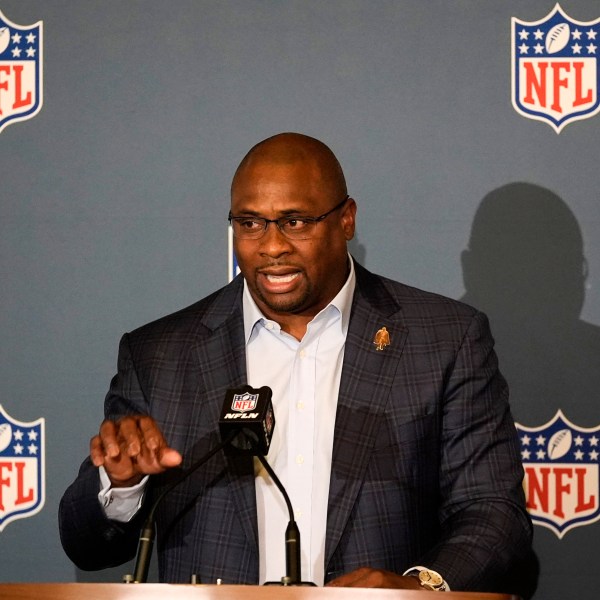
(342, 302)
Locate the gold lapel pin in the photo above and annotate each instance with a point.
(382, 339)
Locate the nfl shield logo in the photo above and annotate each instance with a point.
(22, 491)
(244, 402)
(561, 473)
(555, 68)
(20, 71)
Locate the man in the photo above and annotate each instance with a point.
(393, 436)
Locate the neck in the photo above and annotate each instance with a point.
(296, 326)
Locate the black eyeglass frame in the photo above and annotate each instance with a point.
(282, 220)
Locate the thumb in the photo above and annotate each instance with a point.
(170, 458)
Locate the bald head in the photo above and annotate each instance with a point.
(291, 149)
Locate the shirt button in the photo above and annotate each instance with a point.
(298, 514)
(299, 459)
(269, 326)
(300, 406)
(302, 353)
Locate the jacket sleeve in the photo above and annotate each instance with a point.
(90, 539)
(485, 529)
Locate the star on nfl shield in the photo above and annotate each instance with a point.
(555, 71)
(561, 465)
(20, 71)
(22, 491)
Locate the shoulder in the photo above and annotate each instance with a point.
(380, 290)
(195, 321)
(428, 318)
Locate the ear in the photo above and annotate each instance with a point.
(349, 219)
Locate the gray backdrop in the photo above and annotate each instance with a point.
(114, 200)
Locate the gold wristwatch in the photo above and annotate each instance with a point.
(429, 579)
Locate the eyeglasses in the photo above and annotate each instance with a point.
(292, 226)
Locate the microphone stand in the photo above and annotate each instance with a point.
(293, 569)
(292, 533)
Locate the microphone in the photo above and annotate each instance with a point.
(248, 415)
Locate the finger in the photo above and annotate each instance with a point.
(130, 436)
(152, 435)
(151, 462)
(155, 442)
(109, 440)
(113, 450)
(170, 458)
(96, 451)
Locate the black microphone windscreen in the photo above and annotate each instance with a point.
(248, 411)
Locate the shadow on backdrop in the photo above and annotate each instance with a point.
(525, 268)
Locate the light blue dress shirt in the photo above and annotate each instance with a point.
(305, 378)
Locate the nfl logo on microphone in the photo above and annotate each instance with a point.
(20, 71)
(21, 468)
(555, 71)
(244, 402)
(561, 462)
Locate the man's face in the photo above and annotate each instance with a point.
(292, 277)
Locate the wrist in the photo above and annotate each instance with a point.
(109, 483)
(131, 482)
(428, 578)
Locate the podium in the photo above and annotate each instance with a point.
(165, 591)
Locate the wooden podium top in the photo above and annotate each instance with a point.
(164, 591)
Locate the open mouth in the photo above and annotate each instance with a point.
(279, 283)
(282, 278)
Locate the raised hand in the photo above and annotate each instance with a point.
(131, 448)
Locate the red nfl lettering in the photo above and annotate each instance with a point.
(15, 481)
(562, 473)
(242, 405)
(12, 88)
(550, 487)
(539, 87)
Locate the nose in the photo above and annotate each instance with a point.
(273, 243)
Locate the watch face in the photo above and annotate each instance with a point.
(430, 578)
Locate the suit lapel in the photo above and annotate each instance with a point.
(367, 377)
(225, 349)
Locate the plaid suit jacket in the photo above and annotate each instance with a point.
(426, 465)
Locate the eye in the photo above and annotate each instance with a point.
(249, 224)
(294, 224)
